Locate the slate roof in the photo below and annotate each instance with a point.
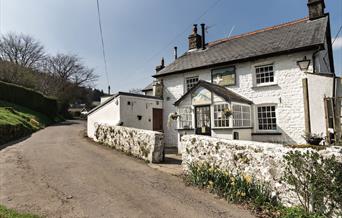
(221, 91)
(148, 88)
(125, 94)
(303, 34)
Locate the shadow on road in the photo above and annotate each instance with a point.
(14, 142)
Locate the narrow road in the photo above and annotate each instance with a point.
(59, 173)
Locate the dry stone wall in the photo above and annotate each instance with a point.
(263, 161)
(144, 144)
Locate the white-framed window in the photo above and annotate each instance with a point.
(267, 119)
(191, 82)
(220, 120)
(185, 119)
(241, 115)
(264, 74)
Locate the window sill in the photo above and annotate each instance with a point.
(222, 128)
(185, 129)
(267, 133)
(265, 85)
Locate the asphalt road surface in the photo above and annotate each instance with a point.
(58, 173)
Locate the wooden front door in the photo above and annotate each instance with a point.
(157, 119)
(202, 117)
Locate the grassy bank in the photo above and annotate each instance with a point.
(17, 121)
(9, 213)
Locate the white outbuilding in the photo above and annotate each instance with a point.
(127, 109)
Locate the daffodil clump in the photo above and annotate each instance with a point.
(234, 188)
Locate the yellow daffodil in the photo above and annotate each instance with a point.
(248, 179)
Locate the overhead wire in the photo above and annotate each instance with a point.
(102, 42)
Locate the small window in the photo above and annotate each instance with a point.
(191, 82)
(241, 115)
(224, 76)
(267, 118)
(185, 119)
(220, 119)
(264, 74)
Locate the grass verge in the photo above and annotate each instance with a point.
(18, 121)
(10, 213)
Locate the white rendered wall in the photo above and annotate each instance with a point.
(286, 94)
(108, 114)
(318, 86)
(139, 106)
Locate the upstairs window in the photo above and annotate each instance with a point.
(191, 82)
(185, 119)
(267, 118)
(220, 119)
(264, 74)
(241, 115)
(224, 76)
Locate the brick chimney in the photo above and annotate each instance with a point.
(316, 9)
(161, 66)
(195, 40)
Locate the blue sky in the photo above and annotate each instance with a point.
(137, 33)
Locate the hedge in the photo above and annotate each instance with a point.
(28, 98)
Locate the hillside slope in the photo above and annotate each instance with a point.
(17, 121)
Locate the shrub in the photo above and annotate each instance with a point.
(235, 188)
(316, 181)
(28, 98)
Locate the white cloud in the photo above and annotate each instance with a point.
(338, 43)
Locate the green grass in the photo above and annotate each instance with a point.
(18, 121)
(21, 114)
(10, 213)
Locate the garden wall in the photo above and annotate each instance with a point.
(144, 144)
(263, 161)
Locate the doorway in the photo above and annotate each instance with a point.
(157, 119)
(202, 118)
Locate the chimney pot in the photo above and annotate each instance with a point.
(203, 35)
(175, 50)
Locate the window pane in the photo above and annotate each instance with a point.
(264, 74)
(267, 118)
(220, 120)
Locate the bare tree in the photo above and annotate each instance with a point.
(21, 49)
(69, 68)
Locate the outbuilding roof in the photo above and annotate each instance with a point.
(149, 87)
(298, 35)
(125, 94)
(221, 91)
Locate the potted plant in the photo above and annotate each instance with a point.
(227, 112)
(313, 139)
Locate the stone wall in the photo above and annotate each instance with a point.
(144, 144)
(263, 161)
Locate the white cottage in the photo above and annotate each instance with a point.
(267, 85)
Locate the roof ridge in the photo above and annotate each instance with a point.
(290, 23)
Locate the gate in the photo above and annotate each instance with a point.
(333, 119)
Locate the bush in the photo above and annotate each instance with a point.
(316, 181)
(28, 98)
(235, 188)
